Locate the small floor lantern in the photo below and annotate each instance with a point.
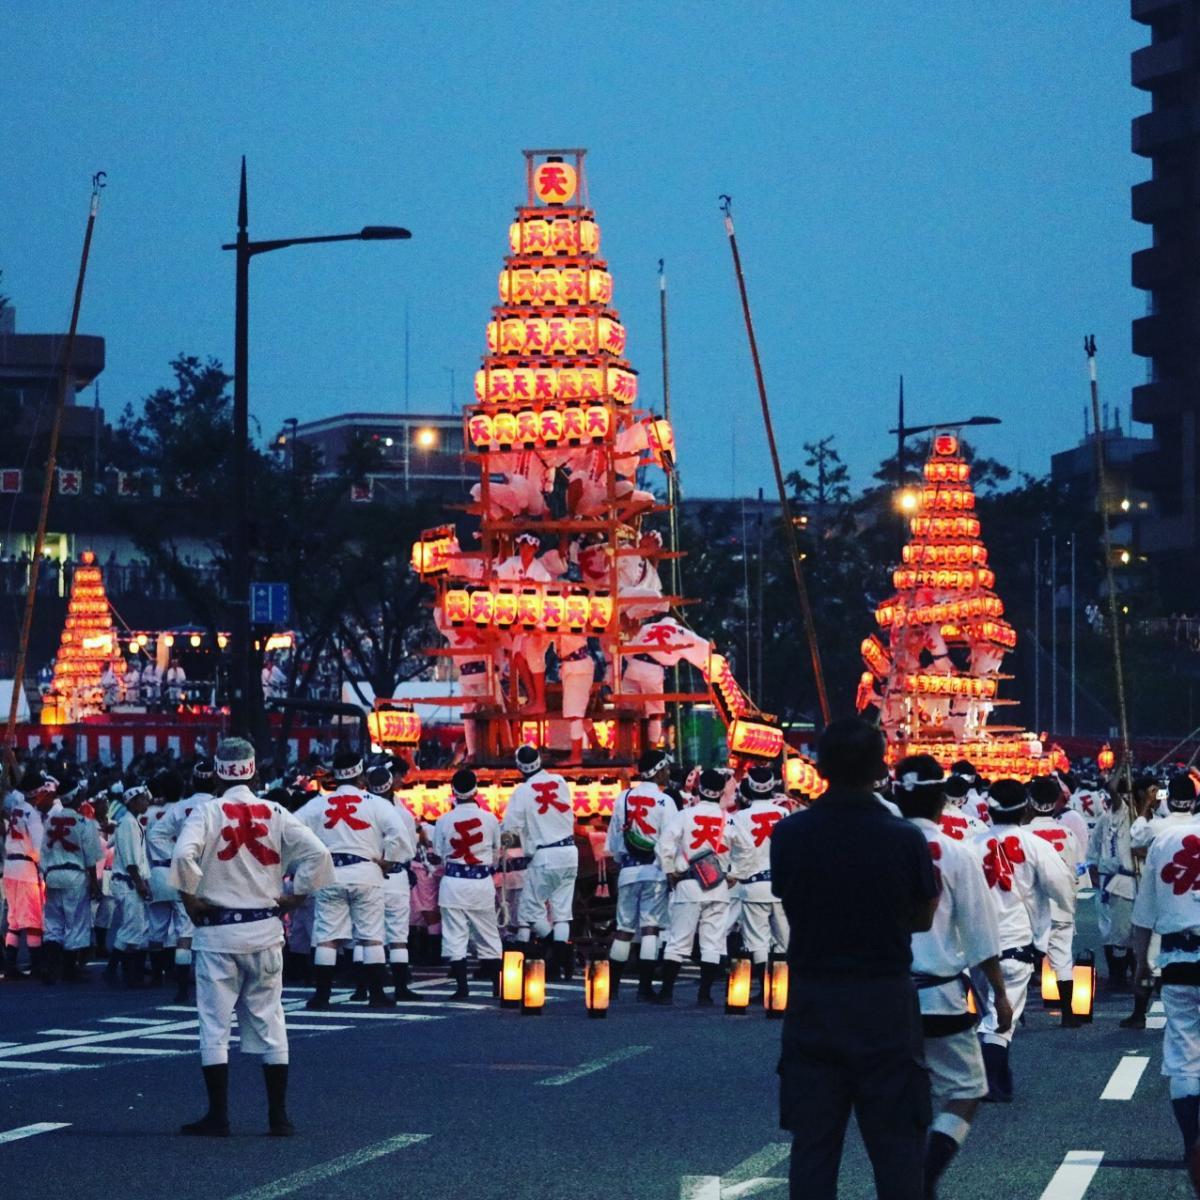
(512, 979)
(775, 988)
(596, 986)
(737, 990)
(1050, 997)
(534, 996)
(1083, 995)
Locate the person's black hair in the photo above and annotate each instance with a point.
(167, 786)
(850, 753)
(964, 768)
(918, 787)
(1181, 793)
(343, 760)
(1044, 793)
(464, 782)
(956, 787)
(1009, 801)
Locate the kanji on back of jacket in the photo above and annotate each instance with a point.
(554, 613)
(936, 679)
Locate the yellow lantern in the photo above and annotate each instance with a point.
(533, 997)
(591, 383)
(600, 610)
(457, 605)
(557, 339)
(572, 425)
(481, 607)
(527, 428)
(1050, 996)
(598, 422)
(1083, 994)
(600, 287)
(550, 426)
(564, 236)
(737, 990)
(522, 384)
(500, 384)
(578, 611)
(573, 285)
(596, 986)
(589, 237)
(775, 988)
(554, 609)
(662, 442)
(194, 641)
(479, 430)
(504, 608)
(1106, 759)
(554, 182)
(504, 428)
(529, 608)
(512, 979)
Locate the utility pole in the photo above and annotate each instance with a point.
(1053, 634)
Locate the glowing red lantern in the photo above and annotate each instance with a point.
(554, 182)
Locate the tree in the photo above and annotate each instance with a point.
(831, 483)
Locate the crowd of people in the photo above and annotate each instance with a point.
(970, 884)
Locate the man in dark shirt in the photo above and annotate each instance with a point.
(856, 882)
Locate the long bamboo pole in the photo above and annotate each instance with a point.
(814, 649)
(64, 377)
(672, 487)
(1114, 615)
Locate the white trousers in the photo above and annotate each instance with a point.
(763, 926)
(641, 904)
(1059, 949)
(547, 889)
(250, 985)
(397, 907)
(68, 915)
(129, 919)
(577, 680)
(688, 916)
(955, 1065)
(1114, 918)
(1181, 1036)
(346, 911)
(160, 922)
(1016, 984)
(475, 925)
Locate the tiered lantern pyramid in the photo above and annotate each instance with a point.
(933, 670)
(562, 451)
(88, 642)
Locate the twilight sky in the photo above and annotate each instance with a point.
(939, 189)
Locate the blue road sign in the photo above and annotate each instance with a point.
(270, 604)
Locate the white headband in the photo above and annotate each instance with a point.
(235, 768)
(351, 772)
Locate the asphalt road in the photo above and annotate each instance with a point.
(436, 1101)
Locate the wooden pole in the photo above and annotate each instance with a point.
(64, 377)
(785, 507)
(672, 488)
(1114, 613)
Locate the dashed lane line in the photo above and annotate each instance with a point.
(25, 1131)
(1125, 1078)
(1073, 1178)
(336, 1166)
(30, 1065)
(590, 1068)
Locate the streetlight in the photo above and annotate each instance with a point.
(426, 438)
(246, 690)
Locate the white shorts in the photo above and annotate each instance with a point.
(547, 888)
(763, 926)
(397, 906)
(250, 985)
(476, 926)
(1114, 917)
(69, 914)
(1016, 984)
(955, 1065)
(1181, 1036)
(24, 904)
(160, 919)
(641, 904)
(132, 932)
(346, 911)
(688, 916)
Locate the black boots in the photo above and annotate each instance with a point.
(361, 991)
(666, 994)
(400, 978)
(52, 962)
(160, 965)
(709, 974)
(1118, 968)
(1066, 993)
(214, 1123)
(112, 967)
(645, 992)
(70, 966)
(1187, 1117)
(133, 968)
(11, 974)
(939, 1150)
(616, 969)
(376, 974)
(1141, 1002)
(458, 972)
(183, 983)
(275, 1075)
(999, 1074)
(319, 1000)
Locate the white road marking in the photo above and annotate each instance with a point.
(1124, 1080)
(746, 1179)
(131, 1020)
(1156, 1022)
(138, 1050)
(30, 1065)
(91, 1039)
(15, 1135)
(57, 1033)
(335, 1166)
(1157, 1008)
(342, 1015)
(1073, 1178)
(177, 1037)
(590, 1068)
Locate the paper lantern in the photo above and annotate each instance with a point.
(557, 339)
(1106, 759)
(775, 988)
(555, 182)
(596, 986)
(554, 609)
(457, 605)
(945, 444)
(529, 608)
(533, 997)
(600, 610)
(504, 429)
(1083, 994)
(574, 425)
(528, 432)
(591, 383)
(394, 726)
(481, 606)
(550, 427)
(598, 422)
(1050, 996)
(662, 442)
(504, 608)
(610, 336)
(512, 979)
(479, 430)
(600, 287)
(578, 609)
(737, 988)
(754, 739)
(522, 385)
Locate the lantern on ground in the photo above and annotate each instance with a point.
(1050, 996)
(533, 995)
(775, 988)
(1083, 994)
(737, 989)
(512, 979)
(596, 982)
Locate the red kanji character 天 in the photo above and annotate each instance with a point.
(248, 829)
(761, 825)
(953, 826)
(1056, 837)
(468, 835)
(637, 805)
(59, 831)
(935, 853)
(552, 181)
(706, 831)
(1183, 871)
(546, 798)
(342, 806)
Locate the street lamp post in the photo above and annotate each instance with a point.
(245, 700)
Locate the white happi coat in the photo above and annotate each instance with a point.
(688, 834)
(70, 850)
(641, 887)
(468, 837)
(749, 833)
(960, 825)
(1058, 836)
(397, 897)
(347, 821)
(541, 814)
(22, 840)
(1143, 832)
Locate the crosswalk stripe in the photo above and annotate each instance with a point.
(341, 1014)
(1125, 1078)
(57, 1033)
(24, 1131)
(31, 1065)
(130, 1020)
(1074, 1177)
(131, 1050)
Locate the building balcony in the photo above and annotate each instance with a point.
(1149, 12)
(1156, 266)
(25, 356)
(1155, 401)
(1163, 127)
(1156, 198)
(1150, 65)
(1157, 335)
